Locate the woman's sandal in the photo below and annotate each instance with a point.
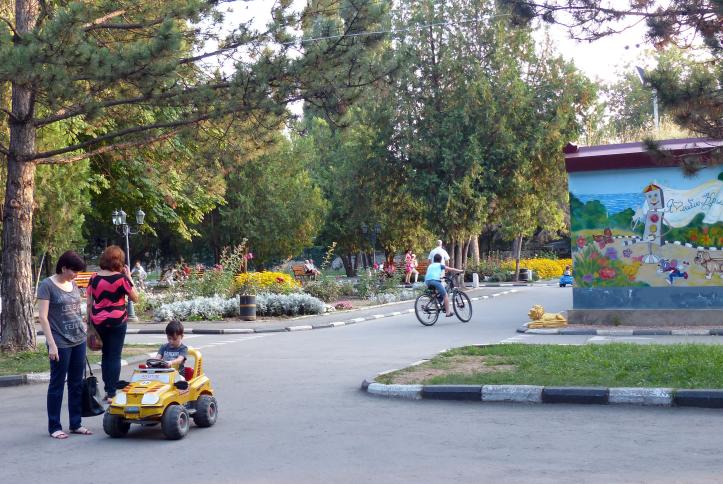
(59, 434)
(81, 431)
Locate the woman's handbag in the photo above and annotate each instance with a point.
(91, 404)
(93, 339)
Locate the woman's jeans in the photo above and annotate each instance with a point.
(113, 338)
(70, 364)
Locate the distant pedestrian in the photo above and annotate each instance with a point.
(408, 268)
(439, 250)
(65, 333)
(140, 274)
(107, 309)
(414, 268)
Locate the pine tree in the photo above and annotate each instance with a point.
(141, 61)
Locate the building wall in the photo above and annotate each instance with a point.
(647, 238)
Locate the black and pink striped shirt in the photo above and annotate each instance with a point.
(109, 299)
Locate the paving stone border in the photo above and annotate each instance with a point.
(622, 332)
(652, 397)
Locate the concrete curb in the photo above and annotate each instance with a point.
(622, 332)
(332, 324)
(44, 377)
(23, 379)
(646, 397)
(13, 380)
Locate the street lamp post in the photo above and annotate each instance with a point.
(123, 228)
(643, 81)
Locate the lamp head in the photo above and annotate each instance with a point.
(140, 216)
(122, 217)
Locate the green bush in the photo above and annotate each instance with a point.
(327, 290)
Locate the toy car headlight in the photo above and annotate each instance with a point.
(120, 398)
(150, 399)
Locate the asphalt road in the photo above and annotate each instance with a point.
(291, 411)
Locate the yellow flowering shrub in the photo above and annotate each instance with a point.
(256, 282)
(544, 268)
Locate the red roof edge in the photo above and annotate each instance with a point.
(632, 155)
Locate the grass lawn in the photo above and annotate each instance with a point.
(608, 365)
(37, 361)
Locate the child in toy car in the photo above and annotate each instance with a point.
(174, 353)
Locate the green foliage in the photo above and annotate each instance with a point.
(274, 202)
(328, 290)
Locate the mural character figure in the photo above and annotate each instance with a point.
(674, 269)
(653, 232)
(712, 265)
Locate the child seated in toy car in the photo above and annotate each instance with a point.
(174, 353)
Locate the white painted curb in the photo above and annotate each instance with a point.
(641, 396)
(512, 393)
(409, 392)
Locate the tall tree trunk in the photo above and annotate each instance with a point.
(348, 267)
(465, 252)
(450, 250)
(458, 254)
(516, 250)
(475, 250)
(17, 324)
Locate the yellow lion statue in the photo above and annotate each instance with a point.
(541, 319)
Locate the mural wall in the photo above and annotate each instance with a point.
(648, 227)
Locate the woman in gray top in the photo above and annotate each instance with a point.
(65, 333)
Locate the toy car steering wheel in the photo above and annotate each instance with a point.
(156, 363)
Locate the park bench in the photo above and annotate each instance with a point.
(422, 268)
(301, 275)
(82, 279)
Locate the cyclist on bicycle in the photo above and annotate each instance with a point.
(433, 279)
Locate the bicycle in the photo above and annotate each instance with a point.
(428, 305)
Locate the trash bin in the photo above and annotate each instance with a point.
(247, 309)
(525, 275)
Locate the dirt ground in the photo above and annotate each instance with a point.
(461, 365)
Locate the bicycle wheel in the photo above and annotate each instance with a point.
(462, 306)
(427, 309)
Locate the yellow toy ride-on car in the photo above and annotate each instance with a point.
(158, 394)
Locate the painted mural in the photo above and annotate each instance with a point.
(650, 227)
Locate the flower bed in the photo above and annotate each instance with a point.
(267, 304)
(259, 282)
(544, 268)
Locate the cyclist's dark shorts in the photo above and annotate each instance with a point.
(438, 286)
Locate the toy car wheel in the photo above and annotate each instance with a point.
(206, 411)
(114, 426)
(175, 422)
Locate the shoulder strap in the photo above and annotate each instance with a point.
(87, 362)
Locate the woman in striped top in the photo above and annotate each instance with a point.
(107, 310)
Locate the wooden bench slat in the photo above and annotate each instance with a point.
(82, 279)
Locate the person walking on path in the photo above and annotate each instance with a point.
(65, 333)
(439, 250)
(140, 274)
(107, 310)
